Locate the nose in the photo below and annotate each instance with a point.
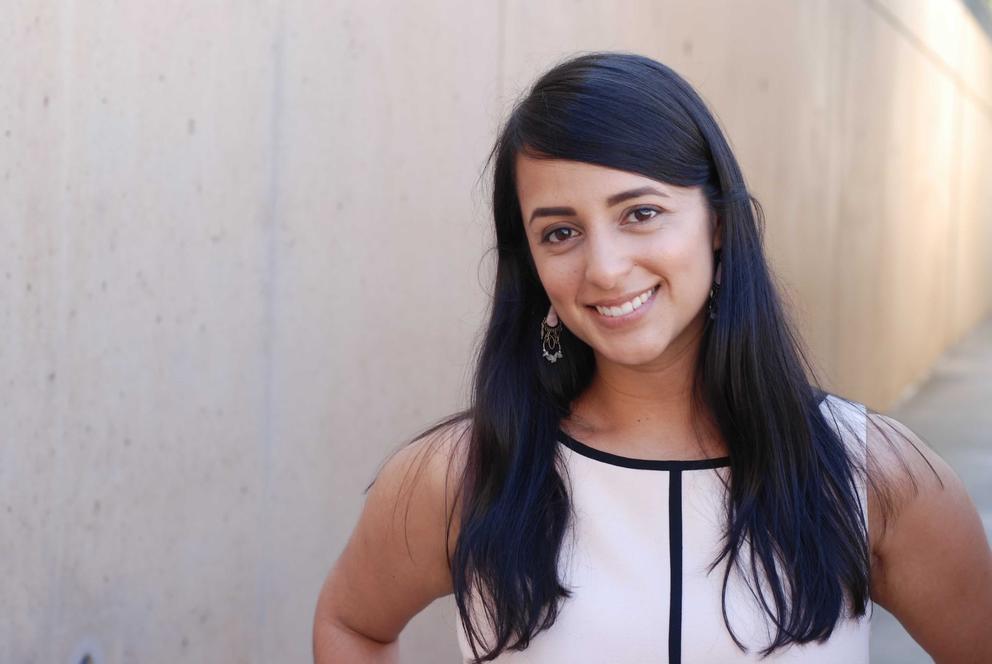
(607, 261)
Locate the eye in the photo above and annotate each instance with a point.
(656, 212)
(548, 237)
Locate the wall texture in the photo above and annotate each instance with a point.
(244, 257)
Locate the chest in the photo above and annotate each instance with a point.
(639, 561)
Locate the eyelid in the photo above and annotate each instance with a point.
(653, 208)
(546, 235)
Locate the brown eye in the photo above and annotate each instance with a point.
(655, 212)
(548, 238)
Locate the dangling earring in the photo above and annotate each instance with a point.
(715, 291)
(550, 331)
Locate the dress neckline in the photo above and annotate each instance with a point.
(642, 464)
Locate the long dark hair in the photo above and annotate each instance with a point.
(793, 493)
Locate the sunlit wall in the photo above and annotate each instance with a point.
(244, 256)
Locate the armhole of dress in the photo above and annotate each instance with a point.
(850, 420)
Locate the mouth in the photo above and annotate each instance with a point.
(628, 311)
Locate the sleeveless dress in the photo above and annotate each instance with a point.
(635, 558)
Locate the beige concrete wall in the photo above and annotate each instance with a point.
(243, 258)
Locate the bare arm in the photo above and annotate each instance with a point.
(395, 562)
(934, 570)
(333, 642)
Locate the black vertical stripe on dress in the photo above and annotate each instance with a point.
(675, 555)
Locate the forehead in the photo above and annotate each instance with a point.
(560, 181)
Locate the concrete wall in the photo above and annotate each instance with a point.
(243, 252)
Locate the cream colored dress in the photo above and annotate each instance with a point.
(644, 533)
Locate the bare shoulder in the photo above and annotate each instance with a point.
(902, 469)
(422, 483)
(932, 566)
(395, 562)
(906, 477)
(439, 458)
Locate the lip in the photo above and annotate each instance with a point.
(626, 319)
(620, 300)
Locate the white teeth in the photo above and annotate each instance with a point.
(626, 307)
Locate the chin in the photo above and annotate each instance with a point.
(634, 358)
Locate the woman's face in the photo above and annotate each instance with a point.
(599, 236)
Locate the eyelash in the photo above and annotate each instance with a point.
(546, 240)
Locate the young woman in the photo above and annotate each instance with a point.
(648, 470)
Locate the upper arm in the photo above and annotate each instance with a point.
(934, 565)
(395, 562)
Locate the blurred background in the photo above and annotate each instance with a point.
(245, 256)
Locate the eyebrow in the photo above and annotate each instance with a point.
(610, 202)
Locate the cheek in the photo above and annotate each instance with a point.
(558, 279)
(685, 267)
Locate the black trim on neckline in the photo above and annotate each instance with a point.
(642, 464)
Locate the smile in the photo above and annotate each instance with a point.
(627, 307)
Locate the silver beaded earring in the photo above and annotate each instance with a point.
(550, 331)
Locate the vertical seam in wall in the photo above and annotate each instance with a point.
(53, 622)
(950, 320)
(835, 116)
(500, 47)
(840, 229)
(270, 234)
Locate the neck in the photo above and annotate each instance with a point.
(648, 402)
